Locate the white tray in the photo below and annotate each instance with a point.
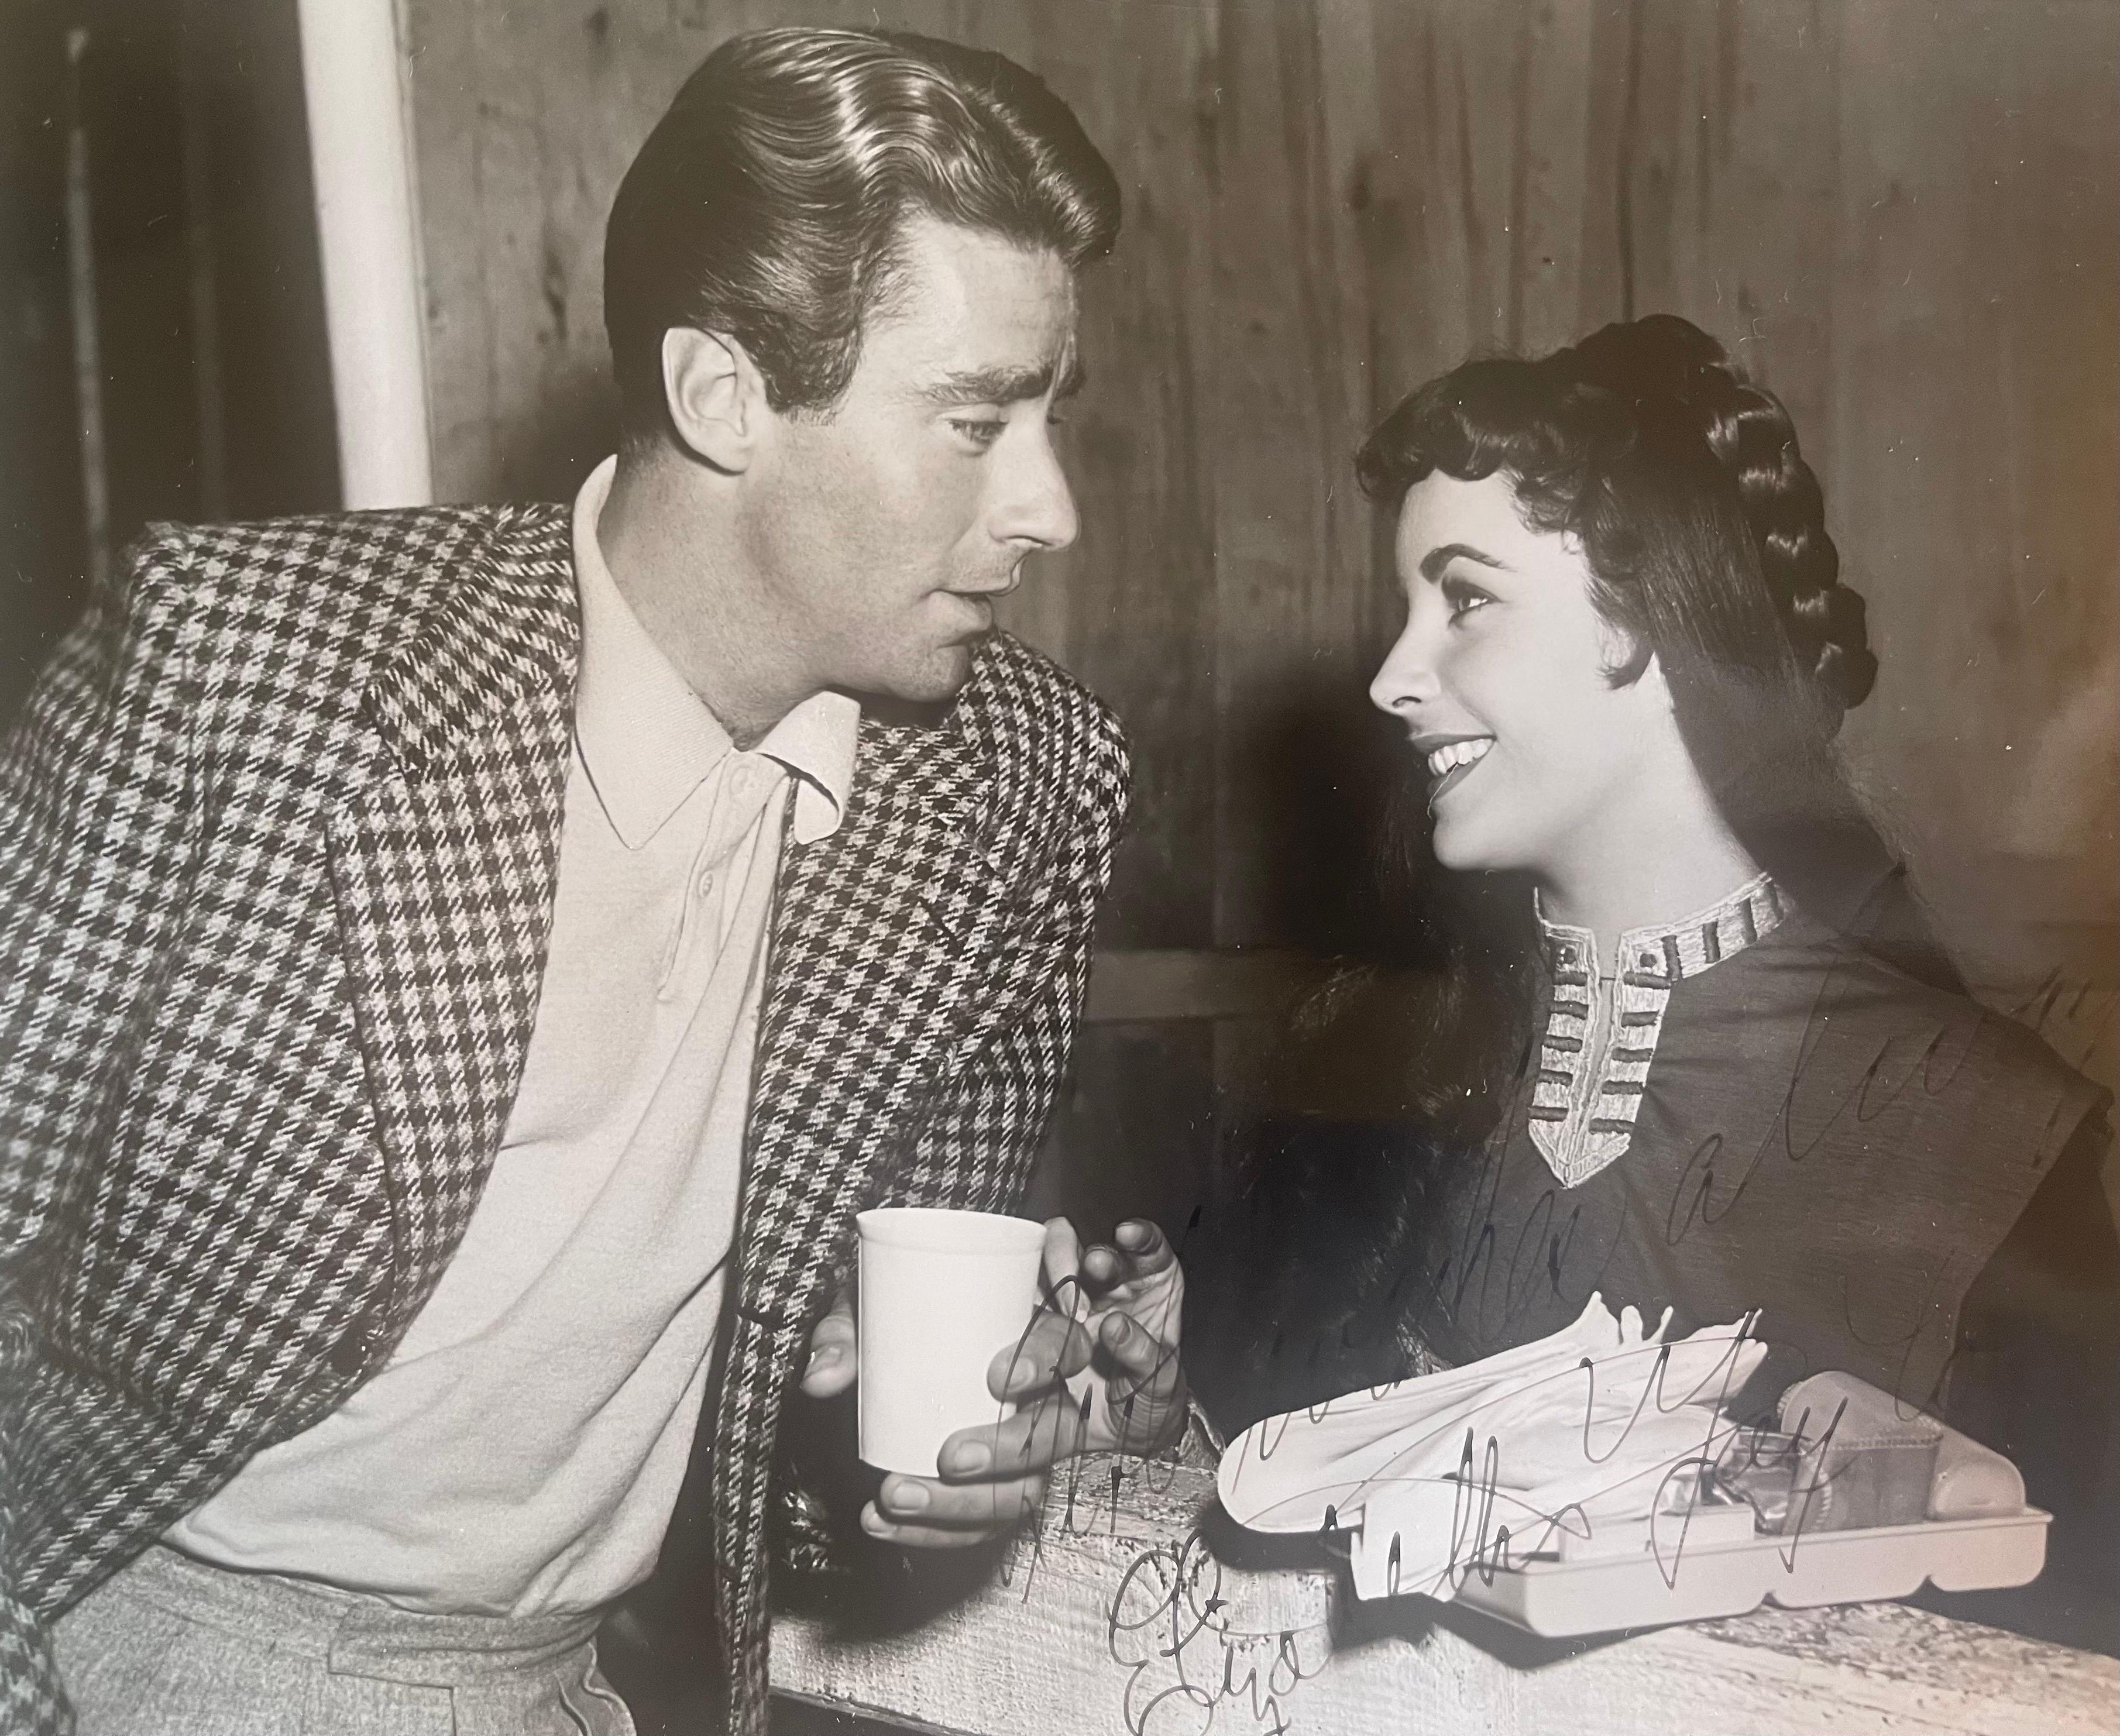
(1560, 1598)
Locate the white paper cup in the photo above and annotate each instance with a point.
(943, 1293)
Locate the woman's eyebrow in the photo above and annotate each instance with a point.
(1433, 562)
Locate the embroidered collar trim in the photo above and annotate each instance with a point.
(1600, 1032)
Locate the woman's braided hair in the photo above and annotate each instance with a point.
(1753, 439)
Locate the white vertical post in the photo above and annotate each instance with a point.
(353, 77)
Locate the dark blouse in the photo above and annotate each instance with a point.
(1818, 1138)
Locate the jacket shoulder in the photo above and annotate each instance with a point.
(326, 560)
(1054, 754)
(330, 592)
(1020, 703)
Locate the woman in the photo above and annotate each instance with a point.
(1670, 1028)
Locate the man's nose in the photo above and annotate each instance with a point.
(1037, 508)
(1407, 676)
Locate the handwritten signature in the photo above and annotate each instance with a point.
(1491, 1527)
(1171, 1629)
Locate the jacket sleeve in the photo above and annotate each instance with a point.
(94, 817)
(95, 814)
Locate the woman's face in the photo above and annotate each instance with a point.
(1501, 678)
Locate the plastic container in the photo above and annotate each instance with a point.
(1859, 1498)
(1703, 1578)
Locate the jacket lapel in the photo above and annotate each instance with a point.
(874, 984)
(444, 867)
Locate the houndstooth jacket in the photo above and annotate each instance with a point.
(279, 833)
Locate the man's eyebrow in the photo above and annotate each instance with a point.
(1433, 562)
(1005, 385)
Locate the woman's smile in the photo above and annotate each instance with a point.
(1450, 760)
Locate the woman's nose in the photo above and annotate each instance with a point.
(1407, 678)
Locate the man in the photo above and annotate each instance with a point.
(465, 966)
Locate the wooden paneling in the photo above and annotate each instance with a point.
(1132, 607)
(1900, 215)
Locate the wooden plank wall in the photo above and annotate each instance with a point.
(1900, 214)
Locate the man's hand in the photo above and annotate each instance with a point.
(1095, 1370)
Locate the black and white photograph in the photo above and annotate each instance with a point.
(1059, 867)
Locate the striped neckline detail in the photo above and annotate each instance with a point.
(1602, 1032)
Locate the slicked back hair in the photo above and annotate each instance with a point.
(770, 202)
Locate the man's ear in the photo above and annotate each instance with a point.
(716, 397)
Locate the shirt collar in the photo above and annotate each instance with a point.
(815, 741)
(1600, 1041)
(1674, 951)
(648, 740)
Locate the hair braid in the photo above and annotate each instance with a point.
(1752, 437)
(1751, 434)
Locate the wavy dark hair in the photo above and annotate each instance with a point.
(769, 202)
(1704, 530)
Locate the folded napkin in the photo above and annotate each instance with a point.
(1482, 1466)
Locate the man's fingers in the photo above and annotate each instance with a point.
(1031, 1441)
(1146, 1363)
(923, 1537)
(1137, 1250)
(1052, 1348)
(922, 1513)
(1138, 1261)
(1062, 1270)
(1144, 1392)
(1146, 1247)
(833, 1362)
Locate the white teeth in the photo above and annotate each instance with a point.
(1453, 754)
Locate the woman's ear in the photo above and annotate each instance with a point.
(1628, 656)
(1656, 689)
(716, 397)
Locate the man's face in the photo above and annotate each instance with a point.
(886, 528)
